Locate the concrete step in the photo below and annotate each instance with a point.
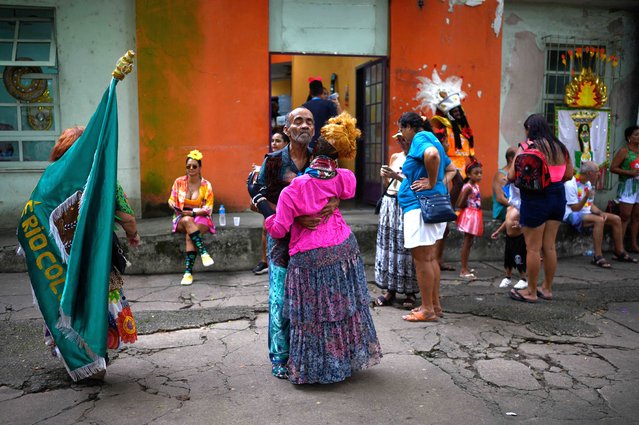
(238, 248)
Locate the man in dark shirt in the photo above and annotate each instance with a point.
(278, 170)
(321, 109)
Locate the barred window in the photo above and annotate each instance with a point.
(29, 100)
(557, 75)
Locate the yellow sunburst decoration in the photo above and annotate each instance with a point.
(586, 90)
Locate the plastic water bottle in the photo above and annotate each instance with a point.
(589, 252)
(222, 216)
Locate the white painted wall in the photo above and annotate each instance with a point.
(91, 36)
(525, 25)
(345, 27)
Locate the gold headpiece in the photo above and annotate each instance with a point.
(195, 154)
(342, 133)
(587, 89)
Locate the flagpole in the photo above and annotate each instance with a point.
(124, 66)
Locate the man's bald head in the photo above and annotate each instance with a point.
(300, 125)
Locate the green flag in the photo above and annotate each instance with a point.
(65, 230)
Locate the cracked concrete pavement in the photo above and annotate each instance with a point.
(201, 358)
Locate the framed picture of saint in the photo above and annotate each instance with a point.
(586, 134)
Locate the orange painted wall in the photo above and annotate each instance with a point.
(203, 84)
(467, 45)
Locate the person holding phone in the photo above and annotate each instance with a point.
(394, 269)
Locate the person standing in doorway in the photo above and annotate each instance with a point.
(322, 109)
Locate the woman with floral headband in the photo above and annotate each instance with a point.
(192, 203)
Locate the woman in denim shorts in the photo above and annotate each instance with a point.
(541, 213)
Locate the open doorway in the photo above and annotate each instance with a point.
(359, 83)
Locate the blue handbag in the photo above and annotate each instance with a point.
(436, 208)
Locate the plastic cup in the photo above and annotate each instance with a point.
(236, 221)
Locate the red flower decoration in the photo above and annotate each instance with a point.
(113, 339)
(126, 326)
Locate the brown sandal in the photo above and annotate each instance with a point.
(420, 316)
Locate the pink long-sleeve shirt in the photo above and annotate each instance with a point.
(307, 196)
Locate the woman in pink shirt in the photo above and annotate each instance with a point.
(541, 213)
(326, 295)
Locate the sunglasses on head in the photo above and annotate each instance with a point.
(191, 167)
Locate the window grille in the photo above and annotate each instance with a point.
(29, 100)
(557, 75)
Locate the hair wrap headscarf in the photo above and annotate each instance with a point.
(342, 133)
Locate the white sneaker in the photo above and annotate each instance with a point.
(207, 260)
(505, 282)
(187, 279)
(521, 284)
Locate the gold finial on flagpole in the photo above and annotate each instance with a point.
(124, 66)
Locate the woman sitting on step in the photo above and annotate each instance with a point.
(192, 203)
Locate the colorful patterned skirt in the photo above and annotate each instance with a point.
(121, 324)
(326, 299)
(394, 268)
(122, 329)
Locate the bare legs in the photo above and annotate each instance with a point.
(465, 253)
(629, 214)
(440, 251)
(427, 270)
(540, 239)
(550, 256)
(598, 222)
